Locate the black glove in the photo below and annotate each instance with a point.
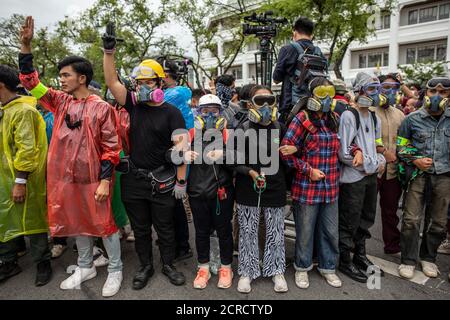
(109, 37)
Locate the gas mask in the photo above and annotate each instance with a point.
(435, 103)
(265, 111)
(322, 99)
(374, 100)
(324, 105)
(145, 94)
(209, 121)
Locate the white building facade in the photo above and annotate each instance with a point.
(417, 31)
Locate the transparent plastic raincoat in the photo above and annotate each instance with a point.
(23, 147)
(74, 161)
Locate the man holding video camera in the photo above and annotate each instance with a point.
(285, 70)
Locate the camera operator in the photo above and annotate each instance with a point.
(287, 62)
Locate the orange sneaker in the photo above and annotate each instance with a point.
(225, 278)
(201, 281)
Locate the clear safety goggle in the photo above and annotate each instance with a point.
(390, 85)
(141, 72)
(207, 109)
(260, 100)
(324, 91)
(372, 88)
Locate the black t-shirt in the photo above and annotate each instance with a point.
(275, 193)
(151, 131)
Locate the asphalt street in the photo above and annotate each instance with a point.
(391, 287)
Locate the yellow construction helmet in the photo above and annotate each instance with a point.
(148, 69)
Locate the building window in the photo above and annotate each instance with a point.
(444, 11)
(236, 72)
(424, 53)
(412, 17)
(371, 58)
(441, 52)
(428, 14)
(387, 21)
(362, 61)
(410, 55)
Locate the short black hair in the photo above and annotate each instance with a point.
(226, 80)
(244, 94)
(10, 77)
(81, 66)
(304, 25)
(257, 88)
(198, 93)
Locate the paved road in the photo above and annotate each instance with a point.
(391, 287)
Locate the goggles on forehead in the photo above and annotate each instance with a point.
(324, 91)
(439, 82)
(260, 100)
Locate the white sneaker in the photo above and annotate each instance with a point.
(301, 279)
(112, 284)
(444, 247)
(406, 271)
(131, 237)
(280, 283)
(101, 261)
(79, 276)
(58, 250)
(244, 285)
(332, 279)
(430, 269)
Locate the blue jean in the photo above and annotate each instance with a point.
(85, 246)
(323, 219)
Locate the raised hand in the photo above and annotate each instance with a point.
(109, 37)
(26, 33)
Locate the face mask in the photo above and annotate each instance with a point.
(435, 103)
(264, 115)
(365, 102)
(145, 94)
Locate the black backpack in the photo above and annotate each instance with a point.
(309, 65)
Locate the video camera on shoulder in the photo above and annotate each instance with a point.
(262, 25)
(176, 66)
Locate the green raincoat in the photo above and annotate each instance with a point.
(23, 147)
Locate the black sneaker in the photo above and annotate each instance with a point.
(9, 269)
(142, 276)
(183, 255)
(44, 273)
(175, 277)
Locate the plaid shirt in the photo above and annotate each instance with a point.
(317, 150)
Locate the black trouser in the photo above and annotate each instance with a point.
(39, 248)
(181, 228)
(205, 219)
(435, 228)
(145, 209)
(357, 210)
(60, 240)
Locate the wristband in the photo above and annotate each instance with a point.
(20, 181)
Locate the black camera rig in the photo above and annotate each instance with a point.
(264, 26)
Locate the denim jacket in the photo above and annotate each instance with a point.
(428, 137)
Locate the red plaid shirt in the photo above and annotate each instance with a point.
(318, 150)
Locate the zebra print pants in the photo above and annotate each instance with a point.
(274, 261)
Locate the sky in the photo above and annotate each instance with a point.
(47, 12)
